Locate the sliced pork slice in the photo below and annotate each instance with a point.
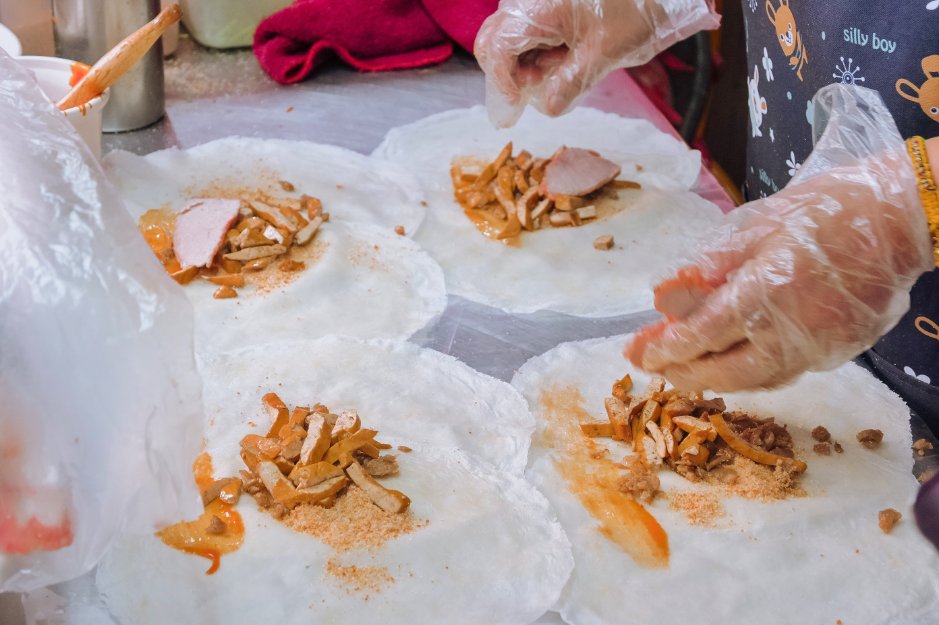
(201, 226)
(575, 171)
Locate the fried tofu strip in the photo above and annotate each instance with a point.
(317, 440)
(388, 500)
(747, 450)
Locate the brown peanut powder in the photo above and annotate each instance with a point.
(360, 579)
(756, 481)
(353, 522)
(700, 508)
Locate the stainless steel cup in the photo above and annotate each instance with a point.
(86, 29)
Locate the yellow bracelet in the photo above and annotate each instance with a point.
(928, 190)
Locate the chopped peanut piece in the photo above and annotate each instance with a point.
(286, 186)
(399, 230)
(225, 292)
(888, 519)
(216, 526)
(821, 434)
(384, 466)
(603, 242)
(870, 438)
(921, 446)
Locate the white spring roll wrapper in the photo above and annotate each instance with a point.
(361, 278)
(492, 552)
(558, 269)
(813, 559)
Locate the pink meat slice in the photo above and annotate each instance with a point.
(201, 226)
(575, 171)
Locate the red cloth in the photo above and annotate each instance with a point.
(369, 35)
(461, 19)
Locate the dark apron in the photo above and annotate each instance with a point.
(795, 47)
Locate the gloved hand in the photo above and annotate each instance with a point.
(806, 279)
(551, 51)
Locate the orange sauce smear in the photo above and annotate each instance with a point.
(192, 537)
(157, 226)
(79, 71)
(593, 478)
(489, 225)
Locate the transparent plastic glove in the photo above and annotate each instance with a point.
(102, 413)
(549, 52)
(806, 279)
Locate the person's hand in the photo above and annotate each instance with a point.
(803, 280)
(551, 51)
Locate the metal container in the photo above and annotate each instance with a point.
(86, 29)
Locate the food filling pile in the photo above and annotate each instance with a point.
(316, 472)
(693, 436)
(520, 192)
(221, 240)
(312, 456)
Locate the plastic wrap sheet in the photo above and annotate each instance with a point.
(101, 401)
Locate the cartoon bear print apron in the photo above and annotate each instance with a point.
(795, 47)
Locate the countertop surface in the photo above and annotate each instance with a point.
(214, 94)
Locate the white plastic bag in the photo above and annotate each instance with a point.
(101, 403)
